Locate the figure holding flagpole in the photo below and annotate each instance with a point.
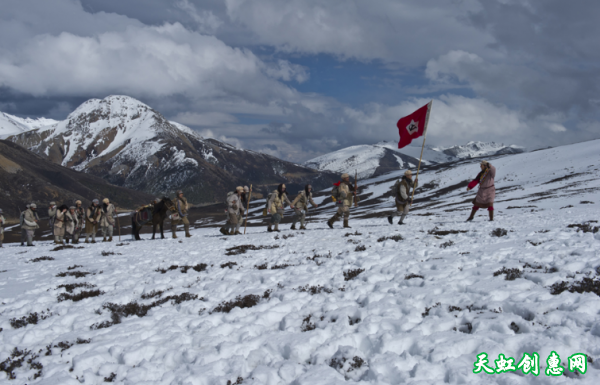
(409, 127)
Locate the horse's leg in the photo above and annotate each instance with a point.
(153, 229)
(162, 236)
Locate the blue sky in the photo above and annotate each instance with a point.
(300, 78)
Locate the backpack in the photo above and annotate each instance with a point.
(335, 193)
(395, 189)
(227, 199)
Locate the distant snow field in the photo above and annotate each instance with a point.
(378, 303)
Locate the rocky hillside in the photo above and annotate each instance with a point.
(129, 144)
(27, 177)
(377, 159)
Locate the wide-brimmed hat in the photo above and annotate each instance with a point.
(239, 188)
(96, 201)
(77, 202)
(344, 176)
(408, 173)
(52, 203)
(105, 200)
(33, 206)
(72, 208)
(246, 189)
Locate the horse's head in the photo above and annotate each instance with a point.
(169, 203)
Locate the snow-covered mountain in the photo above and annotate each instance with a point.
(13, 125)
(378, 159)
(129, 144)
(376, 304)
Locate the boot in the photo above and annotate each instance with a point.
(93, 241)
(390, 220)
(346, 226)
(269, 229)
(110, 239)
(187, 231)
(174, 235)
(473, 211)
(276, 229)
(224, 231)
(293, 227)
(302, 227)
(401, 221)
(188, 235)
(237, 233)
(491, 215)
(104, 239)
(330, 224)
(86, 241)
(231, 232)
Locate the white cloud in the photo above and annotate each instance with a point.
(207, 22)
(408, 32)
(204, 119)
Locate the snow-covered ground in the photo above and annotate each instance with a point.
(421, 308)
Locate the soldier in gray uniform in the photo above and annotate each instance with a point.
(300, 205)
(30, 223)
(401, 191)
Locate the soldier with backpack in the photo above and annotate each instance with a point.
(60, 225)
(275, 207)
(300, 206)
(52, 216)
(234, 205)
(92, 217)
(401, 193)
(79, 221)
(23, 231)
(244, 198)
(29, 224)
(344, 195)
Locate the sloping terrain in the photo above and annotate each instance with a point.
(26, 177)
(377, 304)
(377, 159)
(129, 144)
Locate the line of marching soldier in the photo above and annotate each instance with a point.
(68, 223)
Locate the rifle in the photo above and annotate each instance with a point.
(247, 209)
(355, 188)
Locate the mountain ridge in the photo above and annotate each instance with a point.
(130, 144)
(377, 159)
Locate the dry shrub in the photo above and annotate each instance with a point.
(351, 274)
(247, 301)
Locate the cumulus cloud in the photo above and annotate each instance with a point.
(230, 68)
(402, 31)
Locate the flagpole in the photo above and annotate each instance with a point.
(422, 148)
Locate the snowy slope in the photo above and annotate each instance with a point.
(419, 311)
(13, 125)
(368, 158)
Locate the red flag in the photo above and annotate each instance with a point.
(413, 126)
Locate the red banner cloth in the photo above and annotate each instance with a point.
(413, 126)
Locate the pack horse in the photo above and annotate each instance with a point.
(151, 216)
